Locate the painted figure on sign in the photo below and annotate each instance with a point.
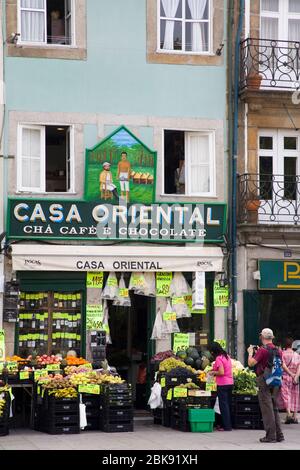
(107, 188)
(124, 170)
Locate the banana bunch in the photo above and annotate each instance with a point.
(202, 376)
(2, 406)
(110, 379)
(68, 392)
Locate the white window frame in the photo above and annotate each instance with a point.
(183, 20)
(45, 43)
(212, 163)
(283, 16)
(279, 153)
(42, 188)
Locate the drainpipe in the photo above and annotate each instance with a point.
(233, 82)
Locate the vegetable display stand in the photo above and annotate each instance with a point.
(116, 408)
(58, 415)
(246, 412)
(201, 420)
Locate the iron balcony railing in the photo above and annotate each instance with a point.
(268, 199)
(268, 63)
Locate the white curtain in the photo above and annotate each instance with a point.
(170, 8)
(197, 8)
(269, 28)
(31, 158)
(270, 5)
(294, 30)
(33, 20)
(294, 6)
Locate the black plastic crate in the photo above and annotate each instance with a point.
(4, 428)
(247, 422)
(67, 408)
(166, 417)
(91, 401)
(118, 427)
(247, 408)
(157, 416)
(115, 415)
(51, 402)
(108, 389)
(62, 429)
(93, 424)
(180, 424)
(61, 419)
(114, 403)
(92, 413)
(236, 398)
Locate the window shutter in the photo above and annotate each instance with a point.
(199, 164)
(31, 168)
(33, 20)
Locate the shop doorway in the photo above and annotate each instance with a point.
(131, 348)
(277, 310)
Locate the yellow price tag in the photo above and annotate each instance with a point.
(94, 280)
(180, 392)
(163, 283)
(169, 316)
(24, 375)
(89, 388)
(169, 394)
(163, 382)
(124, 292)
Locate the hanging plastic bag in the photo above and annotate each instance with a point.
(181, 308)
(137, 281)
(170, 324)
(179, 286)
(122, 299)
(105, 322)
(157, 327)
(110, 290)
(149, 288)
(217, 406)
(82, 414)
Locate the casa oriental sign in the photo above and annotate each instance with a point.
(83, 220)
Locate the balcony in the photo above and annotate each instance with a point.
(270, 64)
(269, 199)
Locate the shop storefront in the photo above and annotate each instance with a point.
(79, 265)
(276, 303)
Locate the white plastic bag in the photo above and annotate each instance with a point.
(149, 288)
(82, 415)
(157, 332)
(111, 288)
(137, 281)
(105, 322)
(122, 299)
(179, 286)
(217, 407)
(181, 308)
(169, 326)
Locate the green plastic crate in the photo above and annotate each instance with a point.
(201, 415)
(201, 420)
(202, 427)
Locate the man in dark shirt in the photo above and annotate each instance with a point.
(266, 395)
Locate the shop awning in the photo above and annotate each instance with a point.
(115, 258)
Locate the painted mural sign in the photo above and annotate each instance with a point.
(119, 203)
(120, 167)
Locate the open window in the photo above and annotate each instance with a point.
(189, 163)
(46, 21)
(45, 159)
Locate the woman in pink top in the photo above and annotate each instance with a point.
(222, 370)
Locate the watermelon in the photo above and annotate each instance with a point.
(189, 361)
(181, 355)
(198, 363)
(194, 354)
